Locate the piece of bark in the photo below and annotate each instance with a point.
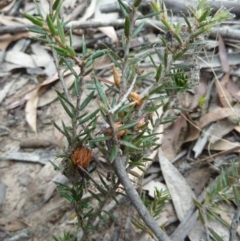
(36, 143)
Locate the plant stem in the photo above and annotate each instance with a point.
(136, 200)
(120, 170)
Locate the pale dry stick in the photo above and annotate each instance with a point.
(61, 78)
(124, 98)
(126, 53)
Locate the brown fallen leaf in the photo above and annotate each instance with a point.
(220, 129)
(224, 96)
(233, 89)
(214, 115)
(170, 143)
(223, 145)
(12, 225)
(193, 132)
(6, 39)
(199, 91)
(181, 193)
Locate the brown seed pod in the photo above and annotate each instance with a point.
(116, 77)
(82, 157)
(116, 125)
(134, 97)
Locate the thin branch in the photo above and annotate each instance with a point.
(78, 25)
(120, 170)
(61, 78)
(136, 200)
(124, 98)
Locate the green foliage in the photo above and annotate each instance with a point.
(130, 133)
(156, 205)
(224, 189)
(66, 237)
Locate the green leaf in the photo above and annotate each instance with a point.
(236, 194)
(100, 139)
(123, 7)
(114, 58)
(127, 27)
(66, 132)
(180, 54)
(76, 87)
(166, 58)
(167, 25)
(127, 126)
(70, 37)
(38, 9)
(178, 38)
(187, 22)
(61, 31)
(98, 54)
(71, 51)
(70, 67)
(100, 91)
(71, 115)
(67, 196)
(60, 51)
(113, 89)
(215, 235)
(153, 62)
(137, 3)
(60, 95)
(138, 29)
(113, 153)
(89, 117)
(159, 72)
(56, 4)
(156, 7)
(84, 49)
(57, 127)
(57, 11)
(103, 182)
(45, 41)
(86, 101)
(34, 20)
(56, 167)
(128, 144)
(140, 58)
(196, 34)
(135, 174)
(51, 25)
(95, 196)
(39, 31)
(158, 89)
(204, 15)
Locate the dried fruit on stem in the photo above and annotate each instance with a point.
(134, 97)
(82, 157)
(116, 76)
(116, 125)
